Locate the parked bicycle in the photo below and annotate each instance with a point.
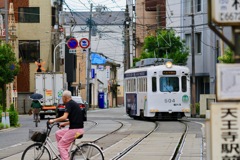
(44, 149)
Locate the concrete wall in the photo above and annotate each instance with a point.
(23, 103)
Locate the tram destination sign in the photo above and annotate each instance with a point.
(169, 72)
(135, 74)
(226, 12)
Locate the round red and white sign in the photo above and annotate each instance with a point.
(84, 43)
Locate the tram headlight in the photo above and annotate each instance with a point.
(169, 64)
(185, 98)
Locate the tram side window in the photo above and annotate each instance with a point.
(131, 85)
(140, 85)
(145, 85)
(154, 84)
(169, 84)
(184, 84)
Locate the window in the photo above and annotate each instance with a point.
(28, 15)
(142, 84)
(131, 85)
(198, 5)
(154, 84)
(184, 84)
(169, 84)
(29, 50)
(198, 43)
(188, 42)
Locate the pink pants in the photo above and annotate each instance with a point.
(64, 139)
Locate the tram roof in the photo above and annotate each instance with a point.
(158, 67)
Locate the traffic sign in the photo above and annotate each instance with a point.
(84, 43)
(72, 51)
(72, 43)
(225, 12)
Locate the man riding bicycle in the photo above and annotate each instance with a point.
(36, 109)
(74, 115)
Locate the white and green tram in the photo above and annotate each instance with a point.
(158, 92)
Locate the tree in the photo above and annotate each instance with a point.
(165, 44)
(9, 68)
(227, 57)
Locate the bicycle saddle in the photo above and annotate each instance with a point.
(79, 137)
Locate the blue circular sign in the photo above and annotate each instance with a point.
(72, 43)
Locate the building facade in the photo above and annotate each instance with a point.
(177, 16)
(35, 35)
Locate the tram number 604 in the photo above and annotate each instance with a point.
(169, 100)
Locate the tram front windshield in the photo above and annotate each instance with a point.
(169, 84)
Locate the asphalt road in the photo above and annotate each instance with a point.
(15, 136)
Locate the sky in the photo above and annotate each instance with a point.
(84, 5)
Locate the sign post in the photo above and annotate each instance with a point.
(225, 114)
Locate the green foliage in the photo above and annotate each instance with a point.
(1, 126)
(9, 68)
(164, 45)
(227, 57)
(11, 107)
(0, 98)
(197, 105)
(13, 116)
(7, 126)
(1, 116)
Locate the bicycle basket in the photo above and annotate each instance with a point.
(38, 136)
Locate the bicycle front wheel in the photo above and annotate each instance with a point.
(87, 152)
(36, 151)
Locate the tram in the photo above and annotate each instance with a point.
(157, 91)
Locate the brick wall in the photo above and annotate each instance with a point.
(23, 78)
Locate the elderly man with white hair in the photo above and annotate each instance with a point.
(67, 135)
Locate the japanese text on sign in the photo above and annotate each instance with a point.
(226, 11)
(230, 147)
(225, 131)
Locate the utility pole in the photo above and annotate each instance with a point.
(88, 62)
(126, 48)
(193, 109)
(57, 5)
(6, 20)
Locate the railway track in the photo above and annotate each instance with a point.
(172, 141)
(128, 149)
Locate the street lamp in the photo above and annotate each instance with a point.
(54, 53)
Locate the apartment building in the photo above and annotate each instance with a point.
(177, 16)
(34, 20)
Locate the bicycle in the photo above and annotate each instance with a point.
(44, 149)
(36, 116)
